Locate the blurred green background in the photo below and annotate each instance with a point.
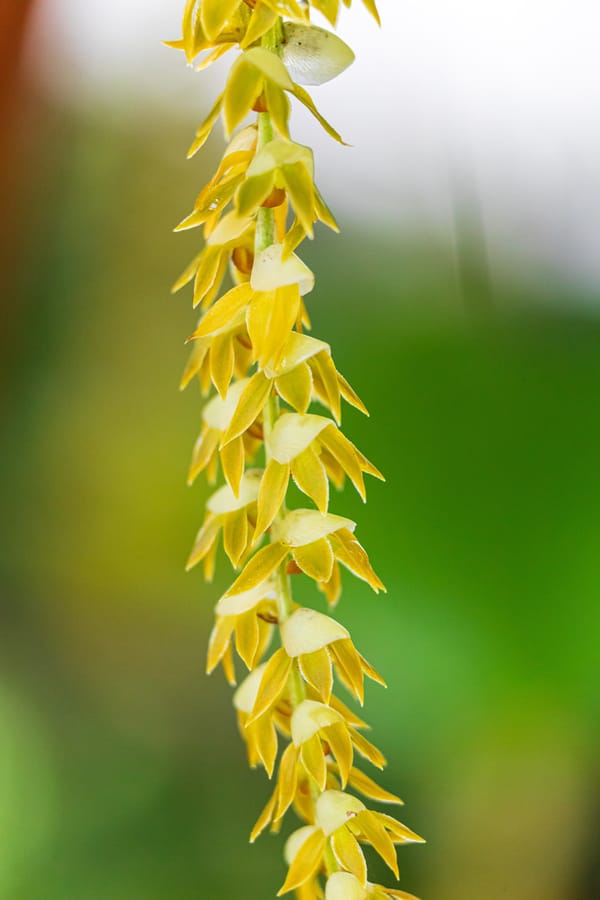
(122, 776)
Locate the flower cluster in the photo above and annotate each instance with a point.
(258, 435)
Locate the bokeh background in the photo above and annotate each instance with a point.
(462, 301)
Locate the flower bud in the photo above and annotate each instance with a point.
(313, 55)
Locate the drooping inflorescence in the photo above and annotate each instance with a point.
(251, 347)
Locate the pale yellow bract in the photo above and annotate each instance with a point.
(259, 433)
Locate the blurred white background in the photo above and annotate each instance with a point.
(486, 107)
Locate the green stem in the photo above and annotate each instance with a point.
(331, 865)
(265, 236)
(284, 592)
(265, 220)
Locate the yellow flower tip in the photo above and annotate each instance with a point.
(304, 853)
(245, 696)
(272, 684)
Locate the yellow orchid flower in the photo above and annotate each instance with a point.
(232, 238)
(284, 169)
(293, 785)
(217, 358)
(315, 726)
(234, 516)
(218, 193)
(260, 734)
(306, 371)
(265, 310)
(216, 417)
(316, 543)
(247, 618)
(312, 450)
(320, 644)
(342, 822)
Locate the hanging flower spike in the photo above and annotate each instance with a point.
(273, 417)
